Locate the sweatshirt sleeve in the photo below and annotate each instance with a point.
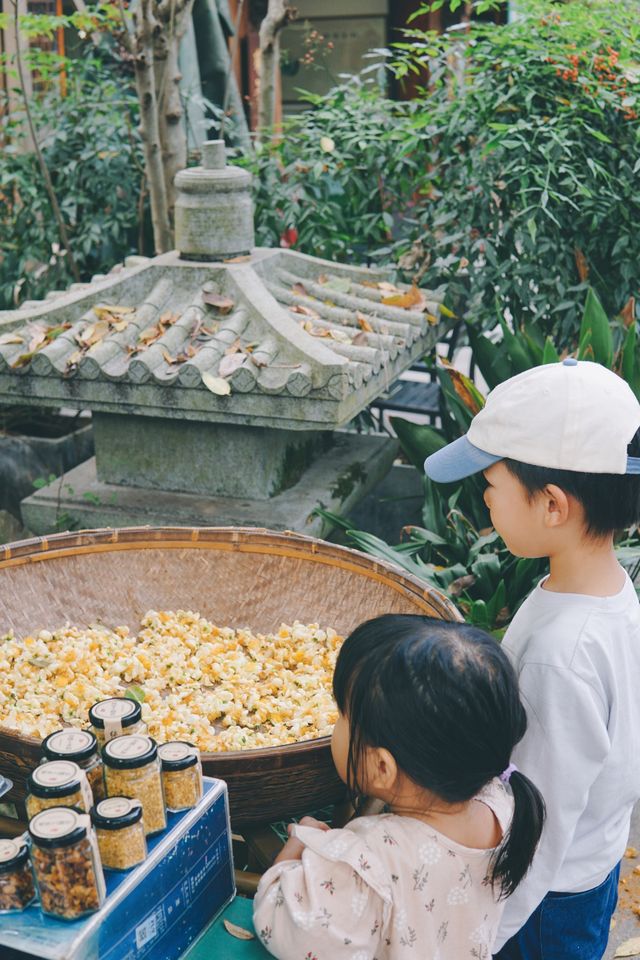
(562, 752)
(326, 905)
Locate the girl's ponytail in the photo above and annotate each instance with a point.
(513, 857)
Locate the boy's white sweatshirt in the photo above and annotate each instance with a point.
(578, 662)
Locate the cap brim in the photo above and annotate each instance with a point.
(457, 460)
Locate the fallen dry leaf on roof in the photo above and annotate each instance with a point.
(308, 327)
(238, 932)
(304, 311)
(120, 325)
(413, 298)
(217, 385)
(244, 258)
(149, 335)
(363, 323)
(10, 338)
(385, 285)
(74, 359)
(209, 331)
(38, 337)
(168, 358)
(340, 336)
(234, 347)
(630, 948)
(219, 302)
(230, 363)
(299, 289)
(94, 334)
(339, 284)
(106, 310)
(360, 339)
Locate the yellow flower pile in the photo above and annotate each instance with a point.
(220, 688)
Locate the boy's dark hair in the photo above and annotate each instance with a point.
(611, 501)
(443, 699)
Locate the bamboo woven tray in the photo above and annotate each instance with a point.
(234, 576)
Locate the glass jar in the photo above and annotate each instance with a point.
(17, 889)
(181, 774)
(55, 783)
(120, 832)
(66, 863)
(132, 769)
(116, 717)
(81, 747)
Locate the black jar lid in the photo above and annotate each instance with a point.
(70, 744)
(116, 812)
(128, 752)
(13, 853)
(58, 827)
(55, 778)
(178, 755)
(121, 709)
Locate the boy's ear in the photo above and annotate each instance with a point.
(382, 770)
(556, 506)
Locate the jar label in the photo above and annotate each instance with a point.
(70, 741)
(115, 807)
(177, 750)
(114, 709)
(56, 822)
(55, 773)
(85, 791)
(8, 850)
(129, 747)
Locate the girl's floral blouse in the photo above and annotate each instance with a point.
(384, 888)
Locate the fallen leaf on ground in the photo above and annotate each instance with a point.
(630, 948)
(11, 338)
(363, 323)
(230, 363)
(217, 385)
(412, 298)
(220, 303)
(238, 932)
(631, 853)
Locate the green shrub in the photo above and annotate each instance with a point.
(343, 174)
(532, 160)
(92, 149)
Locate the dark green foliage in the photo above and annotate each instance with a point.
(92, 148)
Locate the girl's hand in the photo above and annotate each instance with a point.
(310, 822)
(293, 848)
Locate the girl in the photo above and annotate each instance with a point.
(429, 713)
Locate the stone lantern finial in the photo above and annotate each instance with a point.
(214, 211)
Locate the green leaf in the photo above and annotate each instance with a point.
(550, 354)
(595, 324)
(135, 693)
(418, 440)
(491, 359)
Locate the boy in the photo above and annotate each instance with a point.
(559, 448)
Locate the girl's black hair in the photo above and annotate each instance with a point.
(443, 699)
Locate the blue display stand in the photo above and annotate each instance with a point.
(154, 911)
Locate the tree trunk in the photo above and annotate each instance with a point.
(172, 128)
(147, 30)
(278, 15)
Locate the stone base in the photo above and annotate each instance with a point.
(336, 481)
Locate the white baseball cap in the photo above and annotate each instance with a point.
(573, 415)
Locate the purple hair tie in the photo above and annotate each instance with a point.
(505, 776)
